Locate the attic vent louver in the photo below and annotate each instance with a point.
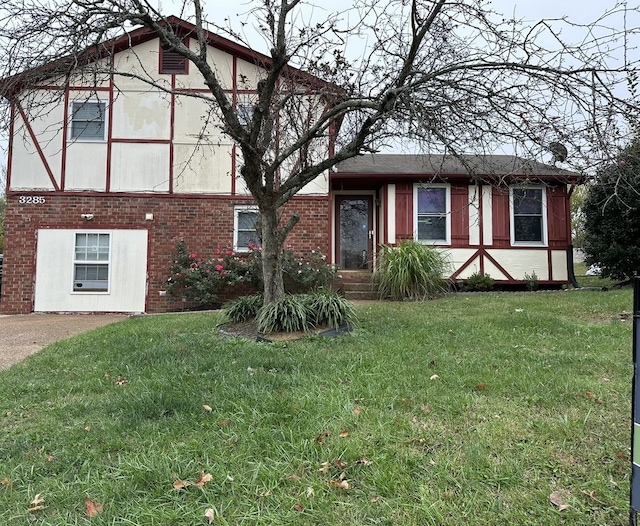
(172, 62)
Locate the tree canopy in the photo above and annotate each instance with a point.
(612, 216)
(450, 75)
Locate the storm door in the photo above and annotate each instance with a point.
(354, 232)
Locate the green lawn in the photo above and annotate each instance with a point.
(475, 409)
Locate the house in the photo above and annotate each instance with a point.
(110, 172)
(496, 214)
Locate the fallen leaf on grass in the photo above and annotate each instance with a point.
(344, 433)
(209, 514)
(480, 387)
(37, 503)
(181, 484)
(92, 507)
(434, 377)
(325, 467)
(294, 477)
(121, 380)
(557, 499)
(5, 482)
(340, 464)
(50, 458)
(357, 410)
(207, 408)
(622, 456)
(223, 423)
(203, 479)
(342, 484)
(376, 499)
(298, 507)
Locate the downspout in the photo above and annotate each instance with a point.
(570, 272)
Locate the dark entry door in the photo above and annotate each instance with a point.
(354, 232)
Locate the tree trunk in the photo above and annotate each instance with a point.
(271, 257)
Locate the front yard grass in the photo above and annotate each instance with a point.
(498, 408)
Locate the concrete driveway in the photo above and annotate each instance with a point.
(22, 335)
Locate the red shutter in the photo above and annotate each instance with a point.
(501, 217)
(557, 217)
(404, 211)
(460, 215)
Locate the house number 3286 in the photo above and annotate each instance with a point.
(31, 200)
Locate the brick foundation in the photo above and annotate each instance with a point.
(204, 223)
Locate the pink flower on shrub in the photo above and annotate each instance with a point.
(219, 268)
(193, 255)
(229, 252)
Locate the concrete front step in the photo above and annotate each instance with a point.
(356, 285)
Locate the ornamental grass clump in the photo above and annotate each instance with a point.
(303, 312)
(244, 308)
(410, 271)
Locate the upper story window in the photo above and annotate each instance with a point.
(88, 120)
(91, 262)
(528, 215)
(245, 234)
(245, 112)
(172, 62)
(432, 213)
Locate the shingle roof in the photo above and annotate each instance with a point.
(412, 164)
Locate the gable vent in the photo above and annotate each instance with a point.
(172, 62)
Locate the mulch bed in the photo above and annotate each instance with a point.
(248, 331)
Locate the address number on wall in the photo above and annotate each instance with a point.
(31, 200)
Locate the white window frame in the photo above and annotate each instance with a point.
(80, 138)
(237, 210)
(76, 261)
(512, 226)
(245, 111)
(447, 213)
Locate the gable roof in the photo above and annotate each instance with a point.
(14, 84)
(443, 166)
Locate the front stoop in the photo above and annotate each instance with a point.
(357, 285)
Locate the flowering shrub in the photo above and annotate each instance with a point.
(202, 280)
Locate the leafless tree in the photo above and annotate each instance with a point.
(448, 75)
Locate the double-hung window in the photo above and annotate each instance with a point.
(91, 262)
(245, 234)
(88, 120)
(432, 213)
(528, 216)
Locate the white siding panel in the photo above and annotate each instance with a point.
(474, 215)
(28, 170)
(202, 169)
(86, 167)
(140, 168)
(144, 61)
(458, 257)
(319, 186)
(520, 262)
(487, 214)
(196, 121)
(391, 214)
(54, 274)
(141, 115)
(559, 262)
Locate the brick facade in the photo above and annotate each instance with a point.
(203, 222)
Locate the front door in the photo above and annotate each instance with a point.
(354, 232)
